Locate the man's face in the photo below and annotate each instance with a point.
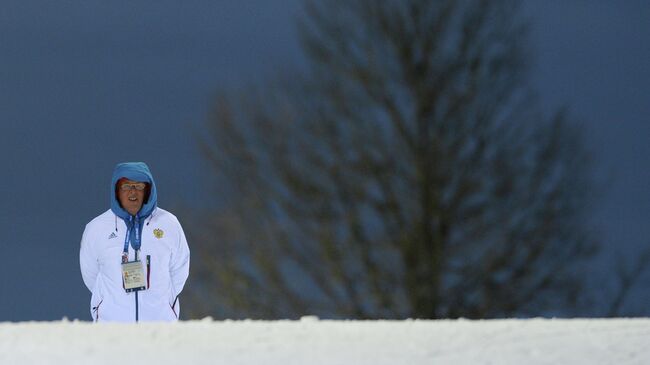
(131, 195)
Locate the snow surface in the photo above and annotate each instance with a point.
(313, 341)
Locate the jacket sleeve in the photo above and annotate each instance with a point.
(88, 260)
(179, 268)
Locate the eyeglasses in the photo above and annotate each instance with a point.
(129, 187)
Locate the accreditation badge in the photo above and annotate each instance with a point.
(133, 276)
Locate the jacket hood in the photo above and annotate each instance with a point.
(136, 171)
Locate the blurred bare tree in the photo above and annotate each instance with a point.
(404, 172)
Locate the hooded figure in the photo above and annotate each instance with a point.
(134, 231)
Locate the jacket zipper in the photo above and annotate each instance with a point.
(136, 307)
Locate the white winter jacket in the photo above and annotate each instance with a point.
(163, 241)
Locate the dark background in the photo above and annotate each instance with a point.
(87, 84)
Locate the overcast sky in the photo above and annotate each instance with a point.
(87, 84)
(594, 56)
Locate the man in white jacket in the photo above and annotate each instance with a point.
(134, 257)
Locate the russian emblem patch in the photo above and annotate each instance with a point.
(158, 233)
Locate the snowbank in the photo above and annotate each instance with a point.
(312, 341)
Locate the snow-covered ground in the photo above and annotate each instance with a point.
(312, 341)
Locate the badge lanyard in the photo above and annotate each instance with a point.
(125, 252)
(133, 271)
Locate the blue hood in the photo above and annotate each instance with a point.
(136, 171)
